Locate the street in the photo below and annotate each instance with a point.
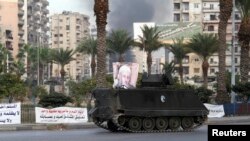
(98, 134)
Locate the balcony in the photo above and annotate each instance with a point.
(20, 3)
(20, 22)
(20, 12)
(21, 41)
(45, 2)
(9, 45)
(45, 11)
(20, 32)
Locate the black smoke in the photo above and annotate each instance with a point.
(123, 13)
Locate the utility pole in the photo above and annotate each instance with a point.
(38, 59)
(233, 54)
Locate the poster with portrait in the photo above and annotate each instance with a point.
(125, 75)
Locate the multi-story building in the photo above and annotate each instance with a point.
(10, 22)
(28, 22)
(186, 10)
(68, 29)
(207, 12)
(211, 11)
(37, 20)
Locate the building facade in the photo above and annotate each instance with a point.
(207, 13)
(68, 29)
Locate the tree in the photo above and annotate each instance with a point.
(178, 48)
(12, 86)
(89, 46)
(119, 42)
(225, 13)
(79, 91)
(149, 42)
(204, 45)
(168, 70)
(244, 38)
(62, 57)
(5, 56)
(101, 9)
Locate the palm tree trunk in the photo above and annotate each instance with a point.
(93, 65)
(62, 77)
(205, 66)
(101, 8)
(225, 13)
(149, 62)
(121, 58)
(244, 61)
(181, 72)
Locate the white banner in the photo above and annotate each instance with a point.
(61, 115)
(215, 110)
(10, 113)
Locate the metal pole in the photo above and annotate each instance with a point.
(7, 62)
(38, 68)
(233, 54)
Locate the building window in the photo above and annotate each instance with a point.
(177, 6)
(177, 17)
(196, 5)
(211, 6)
(210, 28)
(236, 49)
(196, 70)
(212, 71)
(67, 27)
(236, 60)
(213, 17)
(211, 60)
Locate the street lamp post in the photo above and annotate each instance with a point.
(38, 59)
(233, 54)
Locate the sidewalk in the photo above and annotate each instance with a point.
(19, 127)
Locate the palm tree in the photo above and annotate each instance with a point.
(244, 37)
(168, 70)
(101, 9)
(149, 42)
(225, 13)
(119, 42)
(89, 46)
(178, 48)
(204, 45)
(62, 57)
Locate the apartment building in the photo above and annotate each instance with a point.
(27, 21)
(186, 10)
(207, 13)
(211, 11)
(37, 22)
(10, 22)
(67, 30)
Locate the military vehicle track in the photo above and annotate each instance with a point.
(117, 125)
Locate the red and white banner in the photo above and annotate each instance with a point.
(61, 115)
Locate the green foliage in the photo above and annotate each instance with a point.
(80, 90)
(228, 81)
(204, 94)
(242, 89)
(54, 100)
(12, 86)
(181, 86)
(168, 70)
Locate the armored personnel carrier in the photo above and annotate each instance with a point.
(151, 108)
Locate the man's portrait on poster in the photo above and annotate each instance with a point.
(125, 75)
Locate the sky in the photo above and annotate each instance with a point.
(123, 13)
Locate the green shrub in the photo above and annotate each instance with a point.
(204, 94)
(54, 100)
